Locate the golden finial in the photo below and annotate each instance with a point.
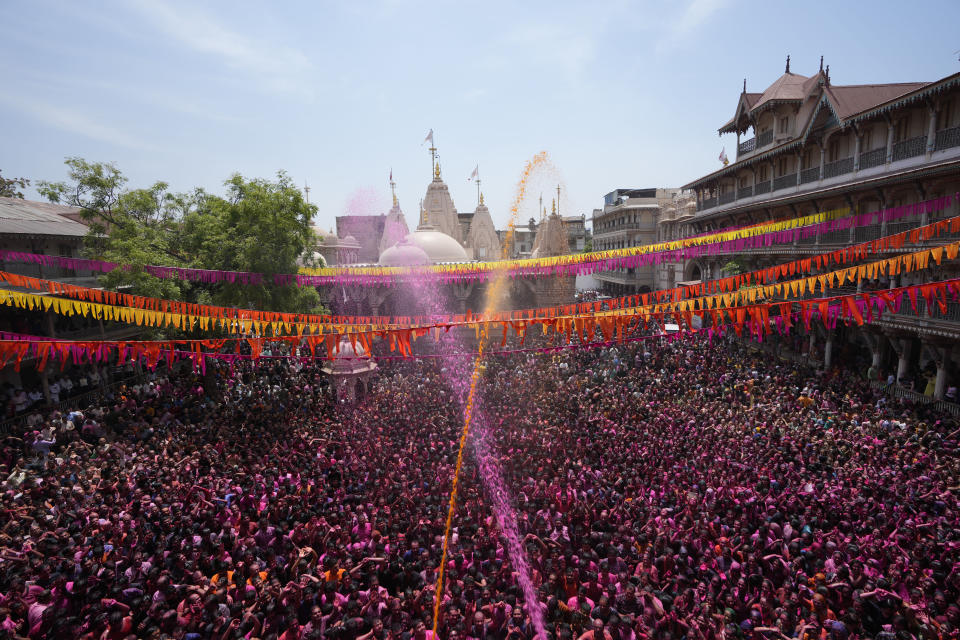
(481, 197)
(553, 207)
(395, 200)
(436, 170)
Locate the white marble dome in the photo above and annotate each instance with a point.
(349, 361)
(346, 350)
(438, 246)
(404, 254)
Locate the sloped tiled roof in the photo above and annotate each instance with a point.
(789, 86)
(848, 100)
(746, 99)
(39, 218)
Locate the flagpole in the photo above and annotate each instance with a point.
(478, 190)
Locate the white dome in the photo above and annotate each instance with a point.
(404, 254)
(438, 246)
(346, 350)
(349, 361)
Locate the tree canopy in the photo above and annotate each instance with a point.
(259, 225)
(11, 187)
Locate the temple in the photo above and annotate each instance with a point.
(443, 235)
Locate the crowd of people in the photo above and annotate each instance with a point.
(676, 490)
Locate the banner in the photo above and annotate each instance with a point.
(723, 242)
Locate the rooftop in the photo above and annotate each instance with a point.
(28, 217)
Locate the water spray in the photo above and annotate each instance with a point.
(493, 294)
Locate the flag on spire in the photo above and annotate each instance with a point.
(475, 174)
(391, 174)
(723, 157)
(429, 138)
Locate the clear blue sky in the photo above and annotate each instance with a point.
(621, 94)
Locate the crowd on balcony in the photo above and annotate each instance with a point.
(664, 491)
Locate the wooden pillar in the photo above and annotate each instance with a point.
(943, 365)
(828, 350)
(856, 152)
(889, 141)
(931, 130)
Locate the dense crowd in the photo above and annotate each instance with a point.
(666, 491)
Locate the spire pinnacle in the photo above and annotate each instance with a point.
(481, 198)
(788, 64)
(393, 188)
(436, 170)
(553, 207)
(821, 64)
(744, 85)
(424, 217)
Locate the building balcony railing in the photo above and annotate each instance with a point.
(910, 148)
(728, 197)
(952, 314)
(838, 168)
(865, 234)
(621, 228)
(947, 138)
(836, 237)
(900, 227)
(810, 175)
(708, 203)
(789, 180)
(761, 187)
(744, 192)
(870, 159)
(747, 146)
(764, 138)
(625, 278)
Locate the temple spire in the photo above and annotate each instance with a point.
(393, 188)
(433, 151)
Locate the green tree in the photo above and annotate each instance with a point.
(138, 227)
(10, 187)
(261, 226)
(733, 267)
(588, 245)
